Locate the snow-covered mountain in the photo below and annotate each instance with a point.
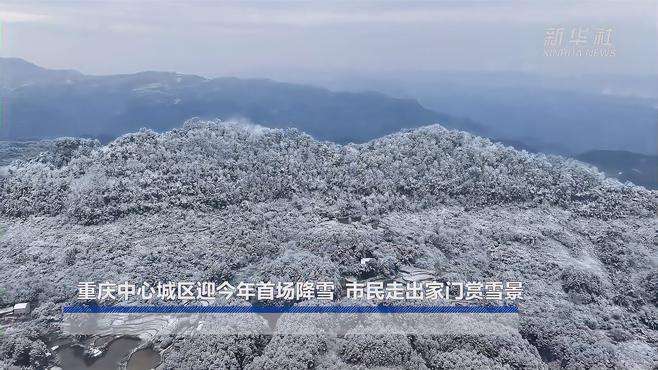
(223, 201)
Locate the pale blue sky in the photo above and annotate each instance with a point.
(259, 38)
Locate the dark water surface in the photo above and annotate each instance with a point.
(72, 356)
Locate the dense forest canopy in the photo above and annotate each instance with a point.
(220, 201)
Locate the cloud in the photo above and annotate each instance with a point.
(244, 38)
(143, 17)
(333, 13)
(22, 17)
(130, 28)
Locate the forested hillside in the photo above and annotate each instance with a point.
(214, 201)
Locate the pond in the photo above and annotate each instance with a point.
(144, 359)
(72, 357)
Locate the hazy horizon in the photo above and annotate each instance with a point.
(248, 39)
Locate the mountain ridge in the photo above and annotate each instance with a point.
(111, 105)
(461, 167)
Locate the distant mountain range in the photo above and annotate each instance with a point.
(564, 115)
(639, 169)
(40, 103)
